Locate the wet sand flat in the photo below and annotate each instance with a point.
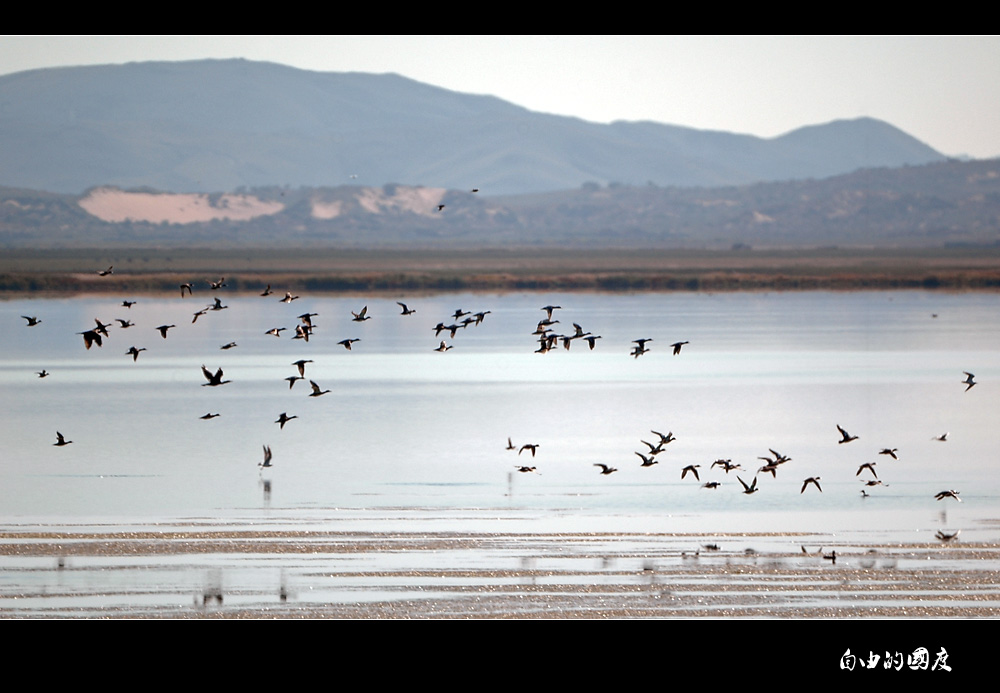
(249, 573)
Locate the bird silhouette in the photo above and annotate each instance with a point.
(814, 480)
(891, 452)
(213, 379)
(677, 347)
(870, 466)
(32, 321)
(948, 494)
(693, 468)
(605, 469)
(301, 365)
(529, 446)
(751, 488)
(845, 436)
(60, 440)
(406, 311)
(362, 316)
(188, 288)
(208, 416)
(510, 444)
(284, 418)
(91, 337)
(316, 392)
(346, 343)
(969, 380)
(106, 272)
(267, 457)
(163, 330)
(134, 353)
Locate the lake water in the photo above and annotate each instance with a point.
(409, 435)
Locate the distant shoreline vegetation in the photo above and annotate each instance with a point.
(327, 271)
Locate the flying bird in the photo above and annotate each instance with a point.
(347, 343)
(891, 452)
(208, 416)
(443, 346)
(213, 379)
(677, 347)
(104, 273)
(42, 373)
(60, 440)
(814, 480)
(510, 444)
(219, 284)
(969, 380)
(128, 304)
(529, 446)
(230, 345)
(605, 469)
(125, 323)
(406, 311)
(32, 321)
(648, 461)
(948, 494)
(91, 337)
(267, 291)
(870, 466)
(845, 436)
(134, 353)
(188, 288)
(288, 297)
(316, 392)
(526, 470)
(163, 330)
(942, 438)
(301, 364)
(751, 488)
(267, 457)
(284, 418)
(362, 316)
(693, 468)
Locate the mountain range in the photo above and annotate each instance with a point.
(219, 125)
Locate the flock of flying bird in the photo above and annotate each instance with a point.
(548, 339)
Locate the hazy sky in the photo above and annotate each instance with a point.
(943, 90)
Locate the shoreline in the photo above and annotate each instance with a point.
(330, 271)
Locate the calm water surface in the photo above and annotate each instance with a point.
(410, 435)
